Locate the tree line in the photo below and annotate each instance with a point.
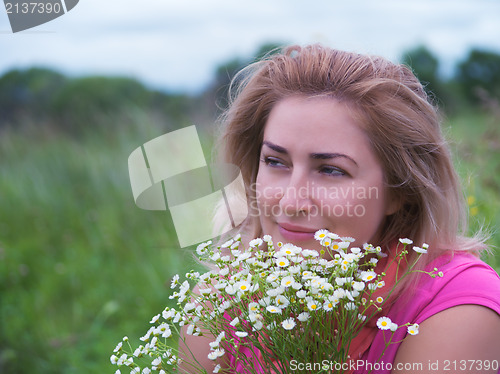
(43, 96)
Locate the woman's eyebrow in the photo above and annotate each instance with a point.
(314, 156)
(275, 147)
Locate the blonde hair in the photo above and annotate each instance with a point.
(392, 108)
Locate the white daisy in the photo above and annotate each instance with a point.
(350, 306)
(243, 286)
(253, 307)
(164, 330)
(367, 276)
(333, 236)
(273, 309)
(272, 277)
(154, 319)
(216, 354)
(320, 234)
(230, 289)
(241, 334)
(312, 304)
(413, 329)
(202, 248)
(265, 301)
(384, 323)
(290, 249)
(175, 281)
(328, 305)
(406, 241)
(358, 286)
(419, 250)
(340, 281)
(309, 253)
(282, 262)
(258, 325)
(307, 275)
(281, 301)
(287, 281)
(227, 244)
(155, 363)
(190, 330)
(118, 347)
(348, 239)
(275, 291)
(255, 243)
(326, 241)
(304, 316)
(288, 324)
(301, 294)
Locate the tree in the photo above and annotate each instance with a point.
(225, 72)
(425, 66)
(27, 93)
(479, 74)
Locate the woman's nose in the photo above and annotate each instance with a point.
(297, 197)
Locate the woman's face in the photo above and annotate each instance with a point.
(317, 171)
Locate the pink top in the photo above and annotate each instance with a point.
(466, 280)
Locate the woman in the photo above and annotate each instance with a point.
(350, 143)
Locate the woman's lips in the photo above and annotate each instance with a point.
(295, 233)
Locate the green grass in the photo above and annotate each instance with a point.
(475, 140)
(81, 265)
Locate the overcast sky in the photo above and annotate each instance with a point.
(176, 44)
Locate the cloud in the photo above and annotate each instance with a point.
(177, 44)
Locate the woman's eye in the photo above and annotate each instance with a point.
(332, 170)
(272, 161)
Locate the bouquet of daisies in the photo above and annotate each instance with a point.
(266, 304)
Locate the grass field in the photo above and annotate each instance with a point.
(81, 265)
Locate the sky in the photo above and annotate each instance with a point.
(175, 45)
